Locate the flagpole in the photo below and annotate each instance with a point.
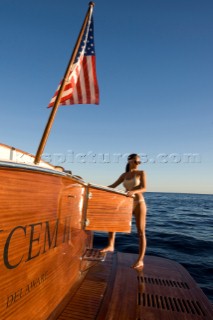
(58, 98)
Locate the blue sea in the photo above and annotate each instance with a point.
(179, 227)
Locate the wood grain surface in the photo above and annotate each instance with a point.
(108, 210)
(42, 236)
(162, 290)
(41, 241)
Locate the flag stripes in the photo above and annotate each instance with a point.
(82, 85)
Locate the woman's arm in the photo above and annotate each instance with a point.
(117, 182)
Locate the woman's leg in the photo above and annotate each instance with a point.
(140, 217)
(111, 243)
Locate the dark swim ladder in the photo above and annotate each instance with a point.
(90, 258)
(94, 255)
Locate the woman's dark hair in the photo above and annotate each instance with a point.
(130, 157)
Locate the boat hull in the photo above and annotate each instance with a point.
(43, 216)
(41, 239)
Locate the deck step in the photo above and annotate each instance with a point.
(94, 255)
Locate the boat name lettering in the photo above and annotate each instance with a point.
(22, 292)
(25, 243)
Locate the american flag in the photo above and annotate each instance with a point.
(81, 86)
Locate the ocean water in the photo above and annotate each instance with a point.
(179, 227)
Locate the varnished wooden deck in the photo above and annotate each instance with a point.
(112, 290)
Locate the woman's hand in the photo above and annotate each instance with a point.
(130, 193)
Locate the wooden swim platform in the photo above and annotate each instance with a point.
(112, 290)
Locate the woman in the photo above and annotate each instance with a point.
(134, 181)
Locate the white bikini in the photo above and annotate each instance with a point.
(130, 184)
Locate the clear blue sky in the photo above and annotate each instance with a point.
(155, 73)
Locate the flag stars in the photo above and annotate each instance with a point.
(87, 44)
